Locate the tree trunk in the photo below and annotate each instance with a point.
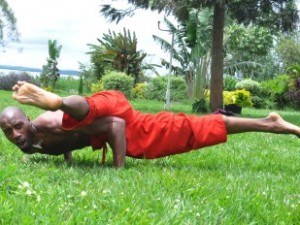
(189, 79)
(216, 82)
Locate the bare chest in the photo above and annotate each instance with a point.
(57, 143)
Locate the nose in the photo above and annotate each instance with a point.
(16, 135)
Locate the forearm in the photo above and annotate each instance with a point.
(117, 141)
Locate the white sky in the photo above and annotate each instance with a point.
(74, 24)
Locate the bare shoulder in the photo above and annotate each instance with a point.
(49, 119)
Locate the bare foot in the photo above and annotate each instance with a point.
(30, 94)
(281, 126)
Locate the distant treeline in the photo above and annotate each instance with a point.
(36, 70)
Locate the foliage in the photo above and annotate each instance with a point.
(246, 47)
(293, 95)
(138, 91)
(8, 24)
(288, 50)
(200, 106)
(293, 98)
(156, 89)
(275, 14)
(118, 51)
(247, 42)
(254, 88)
(294, 80)
(259, 102)
(118, 81)
(250, 85)
(97, 86)
(229, 83)
(8, 81)
(88, 76)
(190, 48)
(50, 72)
(68, 86)
(237, 97)
(273, 91)
(180, 52)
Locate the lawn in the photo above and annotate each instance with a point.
(252, 179)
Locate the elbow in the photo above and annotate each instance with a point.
(118, 125)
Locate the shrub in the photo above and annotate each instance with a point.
(200, 106)
(139, 91)
(250, 85)
(258, 102)
(67, 85)
(238, 97)
(293, 97)
(8, 81)
(273, 91)
(229, 83)
(156, 89)
(98, 86)
(118, 81)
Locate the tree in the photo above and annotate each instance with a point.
(119, 52)
(8, 23)
(50, 72)
(180, 52)
(288, 50)
(246, 49)
(276, 14)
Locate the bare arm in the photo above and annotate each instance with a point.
(117, 141)
(114, 129)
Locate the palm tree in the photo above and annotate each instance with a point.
(8, 23)
(276, 14)
(192, 50)
(50, 72)
(119, 51)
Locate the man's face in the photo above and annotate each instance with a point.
(18, 130)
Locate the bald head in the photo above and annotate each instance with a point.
(11, 112)
(16, 127)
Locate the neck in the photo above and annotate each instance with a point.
(36, 142)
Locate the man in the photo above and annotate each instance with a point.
(74, 122)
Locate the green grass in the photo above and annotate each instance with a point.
(252, 179)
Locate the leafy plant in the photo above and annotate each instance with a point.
(273, 90)
(293, 97)
(229, 83)
(250, 85)
(156, 89)
(50, 73)
(238, 97)
(118, 81)
(138, 91)
(200, 106)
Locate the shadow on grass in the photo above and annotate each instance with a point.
(182, 163)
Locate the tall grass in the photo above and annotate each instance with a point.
(252, 179)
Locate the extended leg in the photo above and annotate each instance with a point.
(273, 123)
(30, 94)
